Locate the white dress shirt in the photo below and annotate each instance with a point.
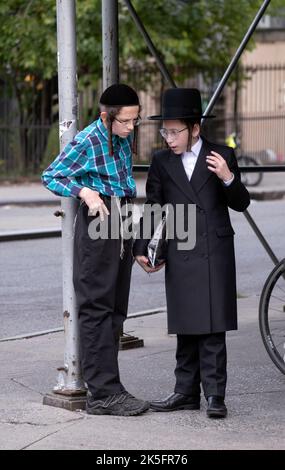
(189, 160)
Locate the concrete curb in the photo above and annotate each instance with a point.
(47, 202)
(267, 195)
(29, 234)
(142, 313)
(55, 232)
(30, 202)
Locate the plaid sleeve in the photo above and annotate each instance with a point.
(60, 176)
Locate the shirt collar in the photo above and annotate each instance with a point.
(103, 130)
(195, 149)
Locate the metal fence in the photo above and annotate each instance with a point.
(259, 119)
(261, 113)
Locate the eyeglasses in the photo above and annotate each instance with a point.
(173, 133)
(134, 122)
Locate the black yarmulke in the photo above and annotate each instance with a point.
(119, 95)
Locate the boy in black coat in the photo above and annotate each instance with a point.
(201, 281)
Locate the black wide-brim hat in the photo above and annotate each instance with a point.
(181, 103)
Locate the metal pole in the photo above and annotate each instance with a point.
(150, 45)
(215, 97)
(261, 237)
(69, 382)
(217, 92)
(236, 57)
(110, 42)
(110, 46)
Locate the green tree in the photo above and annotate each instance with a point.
(28, 62)
(189, 35)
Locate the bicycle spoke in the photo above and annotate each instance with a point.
(282, 342)
(283, 290)
(276, 310)
(278, 298)
(272, 315)
(277, 335)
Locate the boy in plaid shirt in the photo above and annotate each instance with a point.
(97, 168)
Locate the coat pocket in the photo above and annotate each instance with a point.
(225, 231)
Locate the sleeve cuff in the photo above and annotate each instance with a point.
(229, 182)
(75, 190)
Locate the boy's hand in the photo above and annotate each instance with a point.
(143, 262)
(219, 166)
(94, 202)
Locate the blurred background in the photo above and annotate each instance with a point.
(196, 39)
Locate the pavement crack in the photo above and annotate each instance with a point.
(49, 434)
(22, 422)
(256, 392)
(157, 353)
(30, 423)
(26, 386)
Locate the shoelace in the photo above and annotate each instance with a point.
(116, 398)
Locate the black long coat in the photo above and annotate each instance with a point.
(201, 282)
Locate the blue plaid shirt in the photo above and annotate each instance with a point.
(85, 162)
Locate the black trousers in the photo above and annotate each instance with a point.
(102, 283)
(201, 359)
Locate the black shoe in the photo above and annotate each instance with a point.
(176, 401)
(119, 404)
(216, 407)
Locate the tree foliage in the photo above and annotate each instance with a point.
(190, 34)
(194, 33)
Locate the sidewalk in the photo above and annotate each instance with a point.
(271, 187)
(35, 194)
(27, 210)
(255, 399)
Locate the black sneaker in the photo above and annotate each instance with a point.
(119, 404)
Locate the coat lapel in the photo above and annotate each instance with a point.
(201, 172)
(177, 172)
(199, 177)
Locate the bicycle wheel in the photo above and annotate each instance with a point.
(272, 315)
(249, 179)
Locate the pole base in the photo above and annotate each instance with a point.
(130, 342)
(67, 402)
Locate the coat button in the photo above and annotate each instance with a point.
(206, 256)
(204, 234)
(186, 257)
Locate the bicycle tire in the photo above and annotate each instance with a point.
(270, 315)
(249, 179)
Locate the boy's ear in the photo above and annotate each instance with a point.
(196, 130)
(103, 116)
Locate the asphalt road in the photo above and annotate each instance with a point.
(30, 287)
(30, 271)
